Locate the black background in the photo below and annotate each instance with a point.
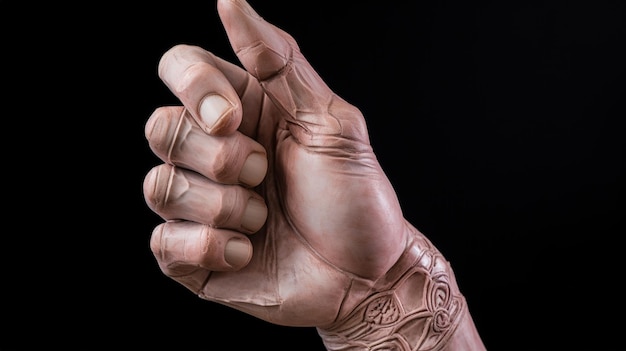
(500, 124)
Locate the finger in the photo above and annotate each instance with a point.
(273, 57)
(175, 193)
(197, 78)
(176, 138)
(188, 251)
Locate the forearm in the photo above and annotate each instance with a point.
(416, 306)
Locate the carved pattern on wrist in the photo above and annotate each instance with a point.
(418, 312)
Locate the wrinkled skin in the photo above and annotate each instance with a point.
(283, 234)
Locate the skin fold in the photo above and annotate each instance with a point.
(274, 202)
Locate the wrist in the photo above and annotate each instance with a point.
(415, 306)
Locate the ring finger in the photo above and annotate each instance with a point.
(176, 138)
(175, 193)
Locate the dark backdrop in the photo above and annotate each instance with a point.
(500, 124)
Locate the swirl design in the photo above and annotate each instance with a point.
(440, 303)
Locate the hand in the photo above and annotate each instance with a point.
(274, 201)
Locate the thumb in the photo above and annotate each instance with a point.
(273, 57)
(263, 49)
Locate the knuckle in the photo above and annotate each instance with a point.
(160, 130)
(222, 163)
(156, 187)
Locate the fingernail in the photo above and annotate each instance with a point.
(254, 169)
(213, 108)
(237, 252)
(254, 215)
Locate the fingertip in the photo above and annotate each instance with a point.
(254, 216)
(262, 48)
(237, 252)
(225, 7)
(218, 115)
(254, 169)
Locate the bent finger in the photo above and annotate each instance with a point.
(191, 73)
(188, 251)
(176, 138)
(178, 194)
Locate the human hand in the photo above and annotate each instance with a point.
(275, 203)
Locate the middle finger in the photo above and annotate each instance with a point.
(176, 138)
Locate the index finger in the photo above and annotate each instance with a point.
(201, 81)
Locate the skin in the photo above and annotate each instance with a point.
(273, 199)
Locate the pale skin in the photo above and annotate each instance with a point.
(275, 204)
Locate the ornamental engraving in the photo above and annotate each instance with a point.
(416, 313)
(440, 303)
(382, 311)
